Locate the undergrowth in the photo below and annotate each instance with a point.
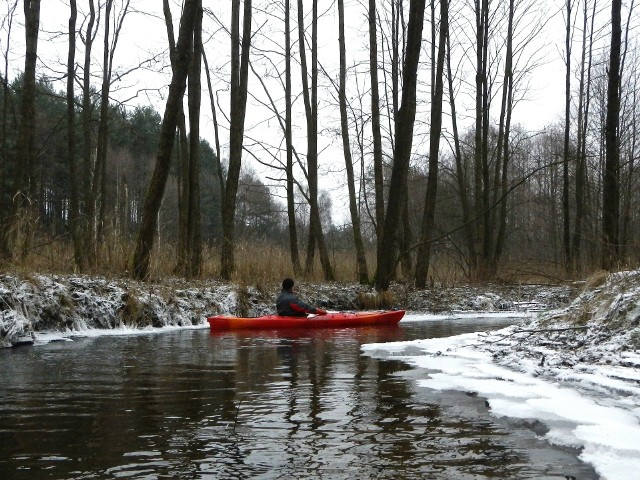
(264, 265)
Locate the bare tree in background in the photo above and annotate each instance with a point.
(611, 181)
(74, 201)
(5, 207)
(239, 77)
(100, 170)
(403, 143)
(316, 237)
(581, 146)
(566, 226)
(24, 183)
(183, 159)
(155, 190)
(291, 208)
(87, 200)
(194, 240)
(424, 251)
(363, 273)
(375, 127)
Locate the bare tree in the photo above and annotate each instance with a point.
(88, 201)
(375, 126)
(155, 190)
(581, 147)
(239, 77)
(310, 95)
(424, 251)
(363, 272)
(74, 203)
(291, 211)
(218, 164)
(194, 241)
(403, 143)
(183, 159)
(100, 175)
(5, 207)
(24, 186)
(611, 180)
(566, 227)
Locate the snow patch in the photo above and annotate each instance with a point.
(576, 370)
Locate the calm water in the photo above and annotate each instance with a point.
(188, 404)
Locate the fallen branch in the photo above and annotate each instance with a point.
(544, 330)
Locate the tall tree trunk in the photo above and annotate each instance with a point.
(375, 127)
(23, 187)
(239, 76)
(481, 79)
(155, 190)
(316, 237)
(487, 230)
(363, 273)
(566, 227)
(291, 207)
(424, 251)
(194, 239)
(99, 181)
(611, 181)
(403, 144)
(88, 202)
(183, 158)
(576, 244)
(5, 207)
(502, 161)
(461, 175)
(74, 203)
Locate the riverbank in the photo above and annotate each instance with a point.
(74, 304)
(571, 374)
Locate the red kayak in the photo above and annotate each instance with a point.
(329, 320)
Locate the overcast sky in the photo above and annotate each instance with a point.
(143, 37)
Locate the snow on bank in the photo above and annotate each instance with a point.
(577, 370)
(43, 308)
(40, 308)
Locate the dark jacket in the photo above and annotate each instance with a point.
(289, 305)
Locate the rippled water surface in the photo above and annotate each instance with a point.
(188, 404)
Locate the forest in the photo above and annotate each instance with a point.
(367, 142)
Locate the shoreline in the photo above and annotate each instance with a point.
(76, 303)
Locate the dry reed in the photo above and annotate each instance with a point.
(263, 265)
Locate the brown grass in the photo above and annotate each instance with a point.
(264, 266)
(376, 300)
(596, 279)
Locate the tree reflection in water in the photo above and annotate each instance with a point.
(251, 404)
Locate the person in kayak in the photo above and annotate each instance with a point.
(289, 305)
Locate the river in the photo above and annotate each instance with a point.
(191, 405)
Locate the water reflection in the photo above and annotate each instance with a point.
(250, 405)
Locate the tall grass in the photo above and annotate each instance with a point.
(260, 264)
(256, 263)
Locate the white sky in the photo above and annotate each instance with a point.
(144, 36)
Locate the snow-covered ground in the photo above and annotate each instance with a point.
(576, 370)
(39, 308)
